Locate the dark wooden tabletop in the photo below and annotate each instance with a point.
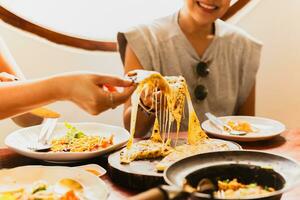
(287, 144)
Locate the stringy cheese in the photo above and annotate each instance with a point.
(170, 108)
(195, 132)
(174, 90)
(134, 109)
(149, 84)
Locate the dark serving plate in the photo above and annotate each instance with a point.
(262, 168)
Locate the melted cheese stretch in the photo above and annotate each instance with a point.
(148, 84)
(135, 98)
(195, 132)
(174, 91)
(177, 100)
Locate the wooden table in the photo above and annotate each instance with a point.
(287, 144)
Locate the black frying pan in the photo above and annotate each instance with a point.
(263, 168)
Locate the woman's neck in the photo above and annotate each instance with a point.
(191, 27)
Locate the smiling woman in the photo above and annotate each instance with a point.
(186, 41)
(55, 21)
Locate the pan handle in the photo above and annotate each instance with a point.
(163, 192)
(154, 193)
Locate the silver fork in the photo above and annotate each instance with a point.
(222, 126)
(43, 141)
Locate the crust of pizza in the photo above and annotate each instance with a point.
(144, 149)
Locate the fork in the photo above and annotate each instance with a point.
(222, 126)
(43, 141)
(139, 75)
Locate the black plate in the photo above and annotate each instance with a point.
(268, 169)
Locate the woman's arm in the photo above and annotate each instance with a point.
(144, 121)
(83, 89)
(20, 97)
(248, 108)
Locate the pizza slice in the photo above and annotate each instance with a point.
(153, 82)
(174, 90)
(147, 149)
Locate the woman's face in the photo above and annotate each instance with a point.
(206, 11)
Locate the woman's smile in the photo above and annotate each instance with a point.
(207, 7)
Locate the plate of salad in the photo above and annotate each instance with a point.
(70, 142)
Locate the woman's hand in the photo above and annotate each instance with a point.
(93, 92)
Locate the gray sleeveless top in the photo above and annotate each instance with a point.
(233, 58)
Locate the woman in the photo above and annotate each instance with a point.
(219, 61)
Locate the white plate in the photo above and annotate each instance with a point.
(22, 138)
(267, 128)
(93, 186)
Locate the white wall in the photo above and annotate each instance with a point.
(275, 24)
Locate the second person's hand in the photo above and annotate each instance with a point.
(6, 77)
(88, 92)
